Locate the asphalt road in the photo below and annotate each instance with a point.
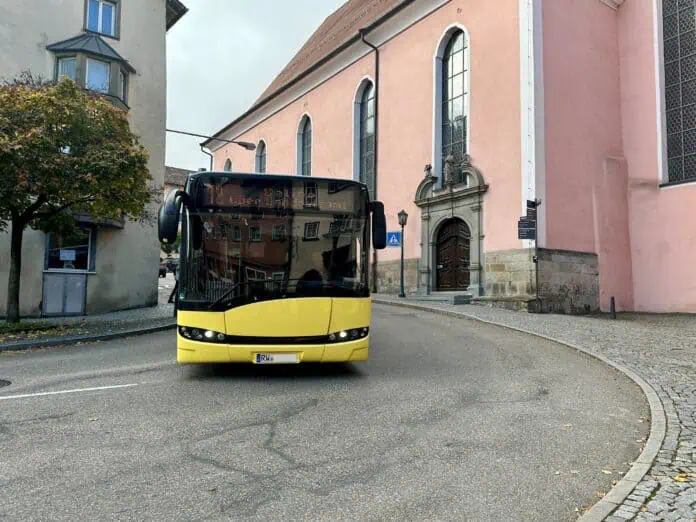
(449, 420)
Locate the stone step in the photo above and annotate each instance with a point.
(450, 298)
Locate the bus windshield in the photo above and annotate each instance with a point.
(256, 239)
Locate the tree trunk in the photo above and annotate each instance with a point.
(15, 271)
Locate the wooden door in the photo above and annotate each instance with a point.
(453, 254)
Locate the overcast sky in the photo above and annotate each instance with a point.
(221, 56)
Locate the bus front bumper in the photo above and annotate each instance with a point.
(190, 352)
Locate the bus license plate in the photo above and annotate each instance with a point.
(276, 358)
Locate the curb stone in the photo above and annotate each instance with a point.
(69, 341)
(658, 420)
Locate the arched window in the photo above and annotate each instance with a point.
(261, 157)
(304, 147)
(228, 165)
(454, 110)
(452, 105)
(367, 137)
(679, 41)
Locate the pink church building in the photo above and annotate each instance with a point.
(462, 111)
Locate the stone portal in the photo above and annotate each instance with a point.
(451, 230)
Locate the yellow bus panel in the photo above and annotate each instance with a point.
(279, 318)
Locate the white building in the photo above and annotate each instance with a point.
(117, 48)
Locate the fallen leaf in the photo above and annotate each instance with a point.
(600, 494)
(682, 477)
(574, 472)
(606, 472)
(557, 473)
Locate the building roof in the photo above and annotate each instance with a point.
(339, 30)
(175, 176)
(175, 10)
(336, 30)
(90, 43)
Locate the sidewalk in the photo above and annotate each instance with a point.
(82, 329)
(660, 349)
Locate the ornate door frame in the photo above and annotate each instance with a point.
(439, 205)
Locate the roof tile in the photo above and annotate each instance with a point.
(336, 30)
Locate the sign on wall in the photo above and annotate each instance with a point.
(526, 229)
(527, 225)
(67, 254)
(393, 239)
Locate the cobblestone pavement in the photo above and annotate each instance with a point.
(662, 350)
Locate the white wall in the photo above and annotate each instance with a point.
(126, 260)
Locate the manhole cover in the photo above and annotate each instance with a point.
(4, 383)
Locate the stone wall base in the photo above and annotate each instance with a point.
(389, 276)
(568, 281)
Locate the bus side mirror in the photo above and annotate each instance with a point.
(379, 225)
(168, 218)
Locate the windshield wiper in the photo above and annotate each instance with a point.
(224, 296)
(246, 283)
(310, 284)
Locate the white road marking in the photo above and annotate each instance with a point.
(8, 397)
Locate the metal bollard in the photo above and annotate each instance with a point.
(613, 307)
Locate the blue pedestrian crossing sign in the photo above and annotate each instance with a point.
(393, 239)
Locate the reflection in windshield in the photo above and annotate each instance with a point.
(267, 253)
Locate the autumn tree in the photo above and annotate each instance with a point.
(64, 150)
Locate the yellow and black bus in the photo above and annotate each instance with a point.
(273, 269)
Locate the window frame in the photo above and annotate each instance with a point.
(252, 238)
(237, 233)
(115, 21)
(279, 233)
(452, 92)
(115, 90)
(256, 272)
(91, 254)
(438, 82)
(108, 79)
(123, 81)
(308, 203)
(306, 236)
(60, 59)
(673, 168)
(305, 145)
(363, 137)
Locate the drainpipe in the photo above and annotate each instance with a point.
(211, 157)
(362, 33)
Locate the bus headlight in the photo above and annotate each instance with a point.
(348, 335)
(199, 334)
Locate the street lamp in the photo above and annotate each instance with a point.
(403, 218)
(244, 144)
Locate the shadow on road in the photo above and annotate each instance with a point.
(252, 372)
